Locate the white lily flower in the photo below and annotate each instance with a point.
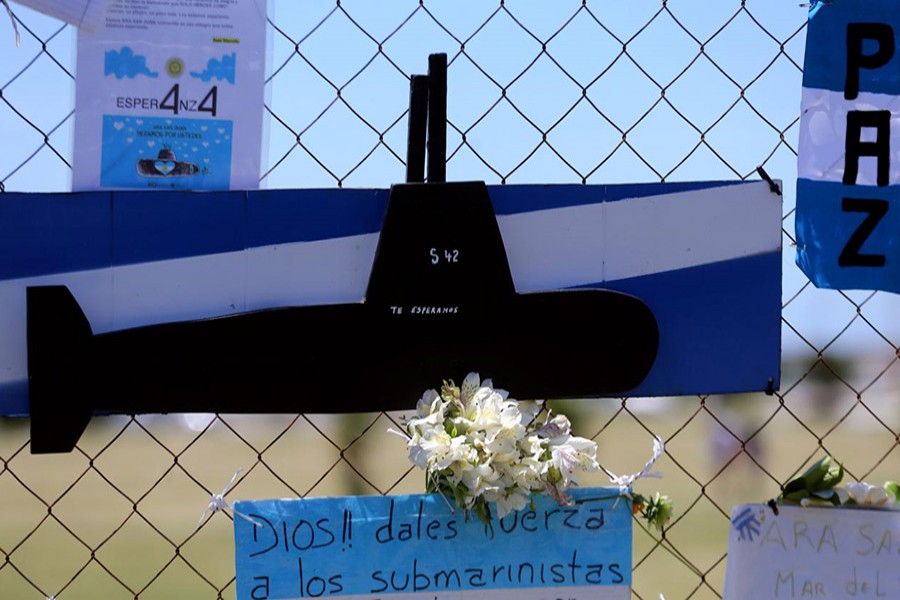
(489, 383)
(428, 404)
(429, 412)
(435, 449)
(530, 409)
(872, 496)
(558, 426)
(468, 388)
(526, 474)
(574, 454)
(480, 479)
(514, 499)
(479, 398)
(507, 430)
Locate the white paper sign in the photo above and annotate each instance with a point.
(169, 95)
(812, 553)
(87, 14)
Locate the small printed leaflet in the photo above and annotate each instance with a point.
(404, 547)
(812, 553)
(170, 96)
(848, 184)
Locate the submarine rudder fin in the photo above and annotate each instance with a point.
(59, 339)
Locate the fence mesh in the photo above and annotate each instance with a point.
(569, 91)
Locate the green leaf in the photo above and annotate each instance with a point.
(794, 486)
(459, 493)
(819, 480)
(815, 474)
(795, 497)
(833, 475)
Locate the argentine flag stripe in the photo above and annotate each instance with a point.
(848, 168)
(823, 131)
(826, 59)
(705, 257)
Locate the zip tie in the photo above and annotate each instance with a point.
(625, 481)
(217, 502)
(773, 185)
(815, 5)
(12, 19)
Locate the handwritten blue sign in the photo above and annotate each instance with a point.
(407, 546)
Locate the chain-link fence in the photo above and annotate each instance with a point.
(552, 92)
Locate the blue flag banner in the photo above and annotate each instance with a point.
(848, 168)
(405, 547)
(705, 257)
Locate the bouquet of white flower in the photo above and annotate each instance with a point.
(479, 446)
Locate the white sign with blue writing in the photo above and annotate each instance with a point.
(405, 547)
(848, 185)
(170, 96)
(836, 553)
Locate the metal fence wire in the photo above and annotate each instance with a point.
(565, 92)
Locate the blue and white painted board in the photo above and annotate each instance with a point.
(836, 553)
(412, 547)
(848, 185)
(705, 257)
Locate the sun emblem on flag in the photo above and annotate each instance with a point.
(175, 67)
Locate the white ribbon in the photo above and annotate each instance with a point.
(217, 502)
(624, 482)
(12, 19)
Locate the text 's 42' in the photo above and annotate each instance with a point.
(449, 256)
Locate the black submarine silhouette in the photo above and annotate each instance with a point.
(440, 303)
(421, 321)
(166, 164)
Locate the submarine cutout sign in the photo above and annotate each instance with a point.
(666, 289)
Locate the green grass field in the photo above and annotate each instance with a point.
(118, 518)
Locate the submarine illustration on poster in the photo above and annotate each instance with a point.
(166, 164)
(440, 302)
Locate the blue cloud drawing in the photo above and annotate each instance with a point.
(220, 69)
(125, 63)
